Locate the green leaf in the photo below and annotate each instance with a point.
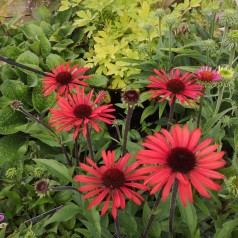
(64, 214)
(9, 146)
(128, 222)
(41, 102)
(54, 60)
(12, 52)
(10, 120)
(227, 228)
(28, 58)
(14, 89)
(45, 45)
(150, 110)
(56, 169)
(97, 80)
(189, 215)
(31, 31)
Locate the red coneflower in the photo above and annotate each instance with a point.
(176, 86)
(64, 79)
(207, 74)
(77, 110)
(111, 182)
(179, 155)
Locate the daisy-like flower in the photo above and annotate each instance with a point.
(207, 75)
(179, 155)
(64, 79)
(181, 87)
(111, 182)
(77, 110)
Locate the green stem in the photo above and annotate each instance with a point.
(232, 56)
(170, 47)
(172, 207)
(149, 45)
(219, 99)
(89, 142)
(212, 25)
(117, 227)
(222, 44)
(207, 56)
(171, 114)
(127, 127)
(200, 111)
(152, 215)
(160, 27)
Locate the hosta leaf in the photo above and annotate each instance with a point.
(28, 58)
(31, 31)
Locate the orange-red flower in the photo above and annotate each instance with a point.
(182, 87)
(111, 182)
(64, 79)
(179, 155)
(76, 111)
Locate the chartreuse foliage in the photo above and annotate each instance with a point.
(120, 41)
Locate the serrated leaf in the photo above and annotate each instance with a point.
(9, 146)
(64, 214)
(10, 120)
(56, 169)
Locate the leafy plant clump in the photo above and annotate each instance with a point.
(119, 119)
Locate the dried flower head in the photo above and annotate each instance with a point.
(16, 104)
(181, 29)
(42, 187)
(130, 96)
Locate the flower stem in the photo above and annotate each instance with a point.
(117, 228)
(127, 127)
(200, 111)
(222, 44)
(152, 215)
(172, 207)
(32, 117)
(76, 150)
(90, 148)
(232, 56)
(212, 25)
(160, 30)
(171, 114)
(170, 47)
(149, 45)
(219, 99)
(61, 188)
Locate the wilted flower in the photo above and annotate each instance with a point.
(42, 187)
(179, 155)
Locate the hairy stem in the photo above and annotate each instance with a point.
(232, 56)
(171, 114)
(200, 111)
(152, 215)
(89, 142)
(219, 99)
(127, 127)
(172, 207)
(117, 227)
(76, 150)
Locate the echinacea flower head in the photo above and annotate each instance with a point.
(179, 155)
(42, 187)
(182, 87)
(111, 182)
(130, 96)
(227, 75)
(76, 111)
(64, 79)
(207, 76)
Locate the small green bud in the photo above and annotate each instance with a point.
(11, 173)
(160, 13)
